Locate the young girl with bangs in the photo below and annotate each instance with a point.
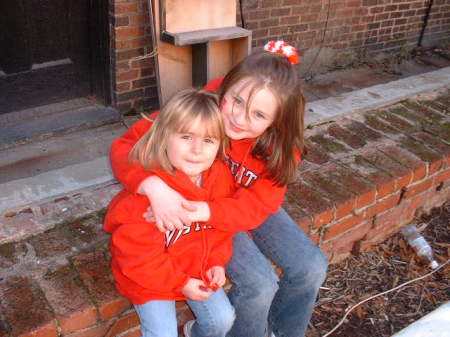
(154, 269)
(263, 110)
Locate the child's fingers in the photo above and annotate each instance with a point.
(148, 217)
(188, 206)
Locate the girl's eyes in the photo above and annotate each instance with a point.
(259, 114)
(209, 140)
(237, 100)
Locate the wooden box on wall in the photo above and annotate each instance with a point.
(198, 41)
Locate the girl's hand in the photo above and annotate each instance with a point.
(169, 208)
(197, 211)
(216, 277)
(196, 290)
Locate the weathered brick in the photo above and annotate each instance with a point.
(123, 86)
(441, 177)
(120, 21)
(303, 220)
(123, 324)
(427, 155)
(342, 226)
(395, 217)
(144, 82)
(348, 138)
(50, 243)
(435, 143)
(373, 122)
(133, 333)
(96, 275)
(384, 183)
(139, 19)
(127, 75)
(258, 15)
(364, 191)
(11, 253)
(25, 308)
(346, 242)
(399, 173)
(407, 159)
(316, 155)
(393, 120)
(382, 205)
(99, 330)
(311, 202)
(268, 23)
(129, 95)
(148, 72)
(361, 130)
(5, 329)
(70, 303)
(284, 11)
(129, 32)
(122, 55)
(327, 144)
(418, 188)
(343, 200)
(125, 8)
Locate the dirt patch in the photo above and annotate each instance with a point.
(389, 265)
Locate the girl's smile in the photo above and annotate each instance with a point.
(245, 116)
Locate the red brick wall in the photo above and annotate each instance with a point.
(371, 25)
(134, 81)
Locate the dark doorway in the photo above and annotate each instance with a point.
(51, 51)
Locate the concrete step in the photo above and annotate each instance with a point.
(24, 126)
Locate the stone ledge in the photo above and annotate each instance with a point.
(364, 177)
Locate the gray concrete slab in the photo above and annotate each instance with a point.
(53, 153)
(52, 122)
(41, 187)
(376, 96)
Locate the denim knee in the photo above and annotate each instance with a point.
(226, 321)
(221, 323)
(262, 291)
(312, 271)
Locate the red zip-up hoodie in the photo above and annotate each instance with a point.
(256, 197)
(150, 265)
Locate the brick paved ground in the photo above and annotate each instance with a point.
(365, 176)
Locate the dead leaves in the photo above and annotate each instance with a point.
(387, 266)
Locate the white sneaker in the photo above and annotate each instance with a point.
(187, 328)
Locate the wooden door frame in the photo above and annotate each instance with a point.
(100, 53)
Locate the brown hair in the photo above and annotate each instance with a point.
(277, 145)
(176, 116)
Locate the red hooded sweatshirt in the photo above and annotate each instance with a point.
(150, 265)
(256, 197)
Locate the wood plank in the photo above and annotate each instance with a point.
(202, 36)
(225, 54)
(174, 64)
(189, 15)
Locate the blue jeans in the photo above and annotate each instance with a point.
(214, 317)
(262, 301)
